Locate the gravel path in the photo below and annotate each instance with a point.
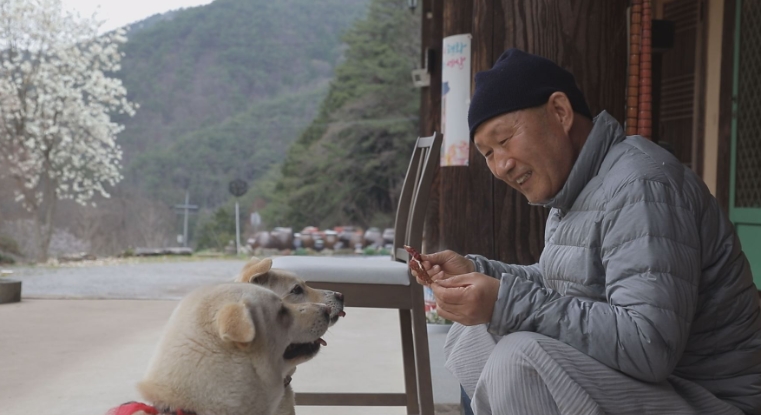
(155, 279)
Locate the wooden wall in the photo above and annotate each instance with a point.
(725, 105)
(470, 211)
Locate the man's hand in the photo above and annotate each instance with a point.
(445, 264)
(467, 299)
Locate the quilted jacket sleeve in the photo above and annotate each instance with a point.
(650, 254)
(496, 269)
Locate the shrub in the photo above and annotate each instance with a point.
(216, 231)
(6, 259)
(9, 245)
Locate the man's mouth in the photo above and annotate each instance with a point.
(295, 350)
(523, 179)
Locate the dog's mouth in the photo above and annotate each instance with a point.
(335, 318)
(295, 350)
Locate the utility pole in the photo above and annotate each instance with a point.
(186, 207)
(237, 188)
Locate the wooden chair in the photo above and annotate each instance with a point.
(385, 284)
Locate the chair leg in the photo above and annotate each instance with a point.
(408, 354)
(422, 357)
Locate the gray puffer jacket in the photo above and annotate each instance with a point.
(641, 271)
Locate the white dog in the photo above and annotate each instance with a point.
(228, 350)
(289, 286)
(291, 289)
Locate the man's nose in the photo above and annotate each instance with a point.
(504, 166)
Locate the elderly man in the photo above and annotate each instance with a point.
(642, 301)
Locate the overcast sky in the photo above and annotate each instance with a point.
(118, 13)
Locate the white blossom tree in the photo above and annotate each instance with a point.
(57, 97)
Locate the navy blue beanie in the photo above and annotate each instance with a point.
(517, 81)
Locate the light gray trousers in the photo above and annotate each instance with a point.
(530, 374)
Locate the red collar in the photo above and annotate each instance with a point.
(130, 408)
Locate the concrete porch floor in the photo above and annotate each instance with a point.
(84, 356)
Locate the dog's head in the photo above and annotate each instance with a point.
(231, 346)
(291, 288)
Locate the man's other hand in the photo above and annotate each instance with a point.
(467, 299)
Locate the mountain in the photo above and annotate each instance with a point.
(224, 89)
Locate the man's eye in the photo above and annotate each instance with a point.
(488, 153)
(504, 141)
(297, 290)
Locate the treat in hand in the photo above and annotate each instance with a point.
(417, 266)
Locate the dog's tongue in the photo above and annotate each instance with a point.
(342, 314)
(322, 342)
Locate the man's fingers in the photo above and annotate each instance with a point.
(436, 257)
(456, 281)
(428, 258)
(435, 272)
(443, 313)
(448, 295)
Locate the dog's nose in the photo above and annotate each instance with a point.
(339, 296)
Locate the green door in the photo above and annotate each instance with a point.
(745, 167)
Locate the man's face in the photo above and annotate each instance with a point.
(529, 150)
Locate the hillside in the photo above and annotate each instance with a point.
(244, 145)
(224, 89)
(348, 165)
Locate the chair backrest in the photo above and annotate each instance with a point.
(413, 202)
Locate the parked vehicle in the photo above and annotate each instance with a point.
(373, 238)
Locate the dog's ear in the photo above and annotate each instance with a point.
(255, 271)
(235, 324)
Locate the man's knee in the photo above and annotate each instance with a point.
(459, 333)
(510, 358)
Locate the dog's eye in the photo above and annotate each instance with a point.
(297, 290)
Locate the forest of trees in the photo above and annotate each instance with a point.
(310, 102)
(224, 89)
(349, 164)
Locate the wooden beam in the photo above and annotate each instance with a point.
(699, 100)
(595, 52)
(430, 109)
(725, 104)
(369, 295)
(351, 399)
(465, 205)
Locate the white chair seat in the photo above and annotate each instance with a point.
(354, 270)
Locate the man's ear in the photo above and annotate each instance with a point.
(255, 271)
(235, 324)
(559, 106)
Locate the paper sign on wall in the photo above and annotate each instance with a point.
(455, 98)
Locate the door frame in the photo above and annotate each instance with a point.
(737, 215)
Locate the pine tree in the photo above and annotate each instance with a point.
(349, 164)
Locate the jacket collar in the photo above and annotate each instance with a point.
(606, 132)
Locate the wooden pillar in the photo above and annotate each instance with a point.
(588, 38)
(466, 208)
(726, 99)
(477, 213)
(430, 108)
